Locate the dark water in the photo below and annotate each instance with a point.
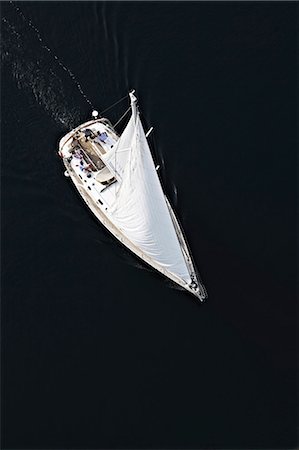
(96, 351)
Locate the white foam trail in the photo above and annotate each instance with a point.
(66, 69)
(47, 90)
(11, 27)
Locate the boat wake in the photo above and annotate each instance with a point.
(35, 68)
(66, 69)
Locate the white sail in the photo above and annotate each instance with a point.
(116, 158)
(140, 210)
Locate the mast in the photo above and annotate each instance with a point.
(133, 105)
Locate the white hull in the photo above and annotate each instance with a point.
(99, 198)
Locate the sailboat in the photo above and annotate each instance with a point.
(117, 178)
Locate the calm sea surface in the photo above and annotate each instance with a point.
(97, 350)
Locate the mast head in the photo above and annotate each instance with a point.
(133, 105)
(132, 96)
(95, 114)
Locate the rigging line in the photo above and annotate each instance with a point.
(116, 103)
(119, 120)
(66, 69)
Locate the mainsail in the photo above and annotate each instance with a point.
(116, 158)
(140, 210)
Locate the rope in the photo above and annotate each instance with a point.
(116, 103)
(119, 120)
